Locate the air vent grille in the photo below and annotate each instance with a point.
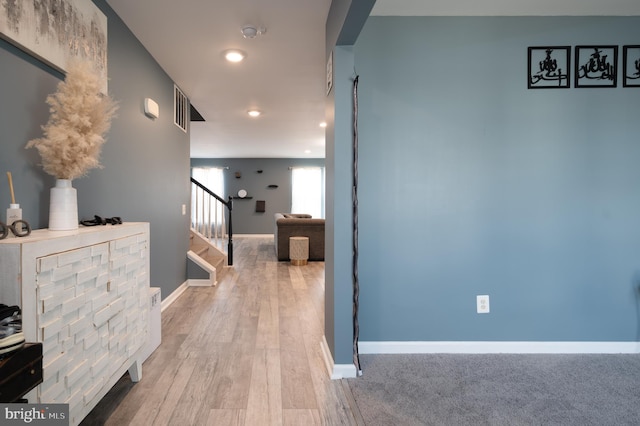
(181, 108)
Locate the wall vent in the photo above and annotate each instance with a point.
(181, 108)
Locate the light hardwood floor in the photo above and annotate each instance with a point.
(246, 352)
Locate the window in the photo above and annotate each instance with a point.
(207, 215)
(307, 191)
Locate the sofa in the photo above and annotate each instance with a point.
(298, 225)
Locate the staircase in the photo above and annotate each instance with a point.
(206, 263)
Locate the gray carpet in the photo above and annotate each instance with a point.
(501, 389)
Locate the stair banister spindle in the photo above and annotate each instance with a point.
(211, 223)
(203, 229)
(216, 230)
(196, 206)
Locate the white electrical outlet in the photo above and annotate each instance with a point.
(184, 209)
(482, 302)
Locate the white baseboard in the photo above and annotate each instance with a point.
(173, 296)
(206, 266)
(183, 287)
(336, 371)
(201, 283)
(499, 347)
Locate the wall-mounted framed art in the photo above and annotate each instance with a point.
(631, 66)
(55, 31)
(596, 66)
(549, 67)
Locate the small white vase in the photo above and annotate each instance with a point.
(63, 206)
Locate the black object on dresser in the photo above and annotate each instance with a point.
(20, 371)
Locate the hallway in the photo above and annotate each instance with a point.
(246, 352)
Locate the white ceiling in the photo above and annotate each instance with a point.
(506, 7)
(284, 72)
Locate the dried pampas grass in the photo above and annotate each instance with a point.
(80, 117)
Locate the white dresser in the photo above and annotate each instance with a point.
(85, 295)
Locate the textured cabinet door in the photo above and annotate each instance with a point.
(85, 296)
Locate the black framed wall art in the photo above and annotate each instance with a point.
(596, 66)
(549, 67)
(631, 66)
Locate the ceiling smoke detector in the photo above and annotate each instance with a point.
(250, 31)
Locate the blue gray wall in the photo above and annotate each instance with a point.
(471, 184)
(339, 223)
(146, 163)
(275, 171)
(344, 22)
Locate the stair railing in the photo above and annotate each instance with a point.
(207, 215)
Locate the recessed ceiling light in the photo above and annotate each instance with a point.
(254, 112)
(234, 55)
(323, 124)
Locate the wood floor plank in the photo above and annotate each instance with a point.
(309, 315)
(229, 388)
(222, 325)
(286, 298)
(265, 395)
(187, 413)
(268, 334)
(220, 417)
(297, 417)
(158, 406)
(204, 372)
(246, 352)
(297, 385)
(208, 326)
(251, 294)
(355, 411)
(296, 277)
(333, 404)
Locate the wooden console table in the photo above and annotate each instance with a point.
(84, 295)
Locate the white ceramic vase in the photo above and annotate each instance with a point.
(63, 206)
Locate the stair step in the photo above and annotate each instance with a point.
(208, 252)
(200, 251)
(214, 260)
(201, 261)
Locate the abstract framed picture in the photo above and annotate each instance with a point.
(631, 66)
(596, 66)
(549, 67)
(57, 31)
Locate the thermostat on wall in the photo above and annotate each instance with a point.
(151, 108)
